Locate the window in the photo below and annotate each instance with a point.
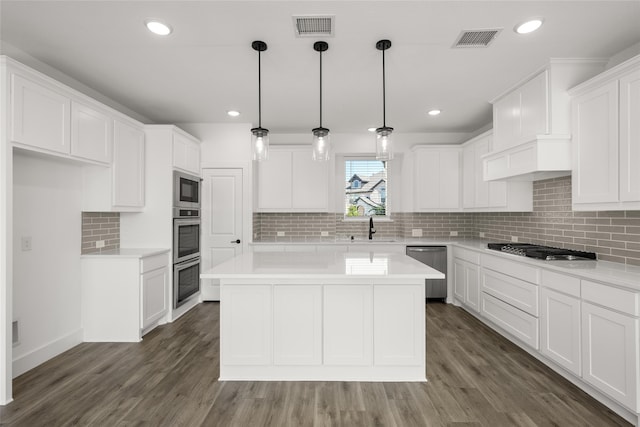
(365, 192)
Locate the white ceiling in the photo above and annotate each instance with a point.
(207, 66)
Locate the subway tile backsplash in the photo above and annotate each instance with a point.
(100, 226)
(614, 236)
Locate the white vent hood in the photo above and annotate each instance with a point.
(532, 123)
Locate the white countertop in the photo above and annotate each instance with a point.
(325, 265)
(127, 253)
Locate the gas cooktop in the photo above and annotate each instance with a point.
(547, 253)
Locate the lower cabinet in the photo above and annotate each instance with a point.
(610, 356)
(560, 329)
(466, 284)
(123, 298)
(514, 321)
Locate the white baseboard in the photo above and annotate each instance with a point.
(48, 351)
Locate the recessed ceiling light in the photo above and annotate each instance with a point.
(371, 129)
(233, 113)
(434, 112)
(529, 26)
(158, 27)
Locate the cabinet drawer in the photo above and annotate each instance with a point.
(153, 263)
(617, 299)
(466, 255)
(515, 292)
(516, 322)
(562, 283)
(512, 268)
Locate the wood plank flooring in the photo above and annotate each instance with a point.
(476, 378)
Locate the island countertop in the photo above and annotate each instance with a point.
(326, 265)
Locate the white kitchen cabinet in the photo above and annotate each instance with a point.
(516, 322)
(246, 325)
(606, 140)
(123, 296)
(40, 114)
(347, 326)
(186, 153)
(466, 280)
(120, 187)
(437, 178)
(479, 195)
(91, 132)
(610, 352)
(290, 181)
(560, 329)
(297, 325)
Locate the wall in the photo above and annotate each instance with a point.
(613, 235)
(97, 226)
(47, 202)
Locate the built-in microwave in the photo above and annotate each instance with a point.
(186, 190)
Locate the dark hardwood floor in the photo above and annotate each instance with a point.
(476, 378)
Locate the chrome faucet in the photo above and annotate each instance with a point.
(372, 230)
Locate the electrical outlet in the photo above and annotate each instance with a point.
(100, 244)
(26, 243)
(280, 233)
(514, 239)
(416, 232)
(324, 234)
(481, 234)
(453, 233)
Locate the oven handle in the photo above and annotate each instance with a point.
(186, 264)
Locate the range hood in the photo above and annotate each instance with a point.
(544, 157)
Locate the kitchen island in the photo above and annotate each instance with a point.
(322, 316)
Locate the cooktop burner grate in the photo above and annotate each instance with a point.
(547, 253)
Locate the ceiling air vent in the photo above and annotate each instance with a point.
(476, 38)
(314, 25)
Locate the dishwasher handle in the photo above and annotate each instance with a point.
(427, 249)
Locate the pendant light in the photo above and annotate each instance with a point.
(260, 135)
(384, 146)
(321, 142)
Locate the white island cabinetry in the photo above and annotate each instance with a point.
(322, 316)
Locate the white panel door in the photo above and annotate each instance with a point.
(610, 353)
(222, 223)
(595, 145)
(399, 315)
(245, 317)
(154, 295)
(560, 329)
(91, 133)
(40, 116)
(348, 325)
(630, 138)
(297, 325)
(128, 165)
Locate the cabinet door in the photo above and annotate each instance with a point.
(560, 329)
(348, 326)
(534, 111)
(154, 295)
(459, 280)
(630, 137)
(297, 322)
(128, 165)
(595, 145)
(506, 121)
(398, 324)
(472, 286)
(470, 167)
(274, 181)
(245, 317)
(481, 196)
(193, 158)
(91, 133)
(309, 182)
(438, 179)
(40, 116)
(610, 353)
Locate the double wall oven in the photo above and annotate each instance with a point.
(186, 237)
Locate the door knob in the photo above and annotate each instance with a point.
(235, 241)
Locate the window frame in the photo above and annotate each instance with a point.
(364, 157)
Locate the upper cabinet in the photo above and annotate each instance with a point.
(532, 126)
(437, 178)
(291, 181)
(91, 132)
(186, 153)
(490, 196)
(606, 140)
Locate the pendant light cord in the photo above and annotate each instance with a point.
(259, 93)
(320, 88)
(384, 97)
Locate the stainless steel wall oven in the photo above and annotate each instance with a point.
(186, 254)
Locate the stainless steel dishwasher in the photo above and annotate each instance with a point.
(435, 257)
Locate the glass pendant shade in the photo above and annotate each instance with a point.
(384, 143)
(321, 144)
(260, 144)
